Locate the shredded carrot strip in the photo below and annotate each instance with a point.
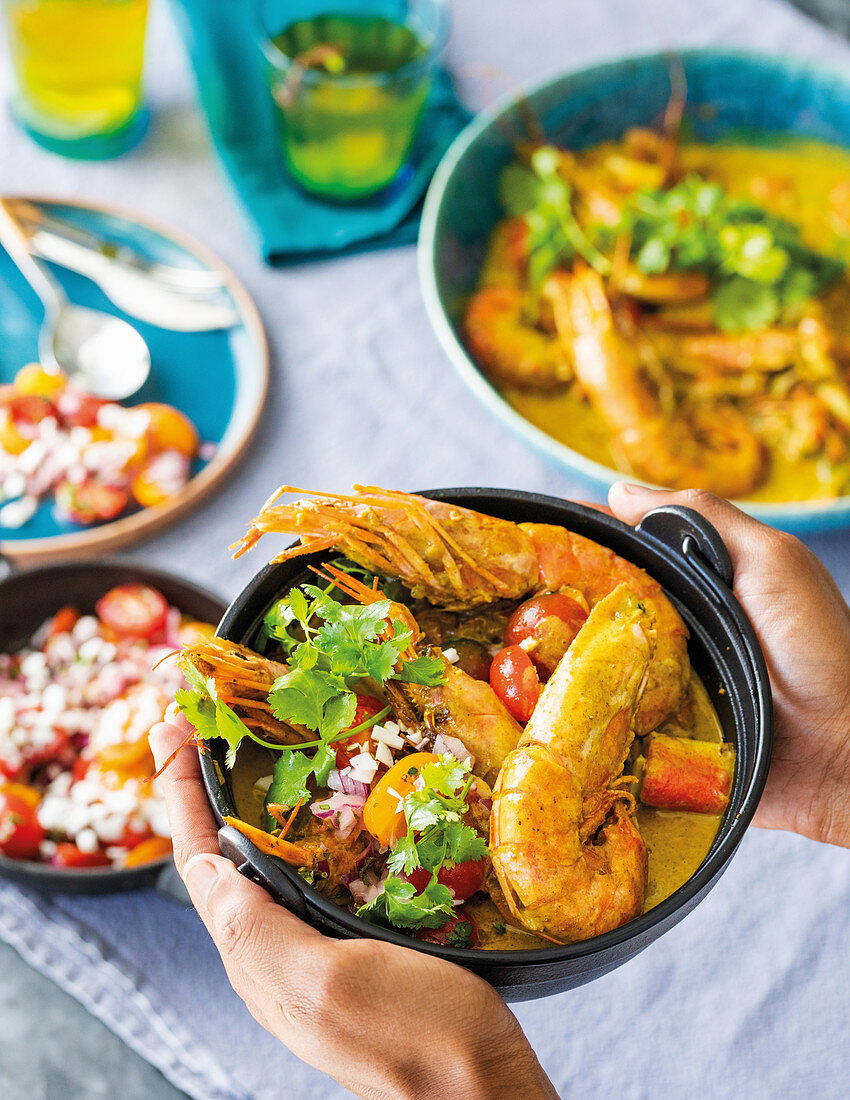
(291, 818)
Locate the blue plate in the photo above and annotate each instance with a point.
(218, 379)
(746, 93)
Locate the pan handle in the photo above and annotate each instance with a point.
(691, 536)
(262, 869)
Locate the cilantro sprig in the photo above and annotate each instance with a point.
(330, 647)
(543, 197)
(761, 271)
(436, 838)
(334, 646)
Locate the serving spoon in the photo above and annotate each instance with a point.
(98, 352)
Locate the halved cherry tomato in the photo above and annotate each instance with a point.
(367, 705)
(155, 847)
(78, 409)
(552, 622)
(90, 502)
(458, 931)
(133, 610)
(29, 408)
(29, 758)
(514, 679)
(159, 478)
(20, 832)
(34, 381)
(69, 855)
(11, 440)
(464, 879)
(170, 430)
(382, 815)
(63, 621)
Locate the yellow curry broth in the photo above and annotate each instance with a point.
(806, 182)
(677, 843)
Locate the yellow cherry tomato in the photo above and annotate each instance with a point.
(35, 381)
(146, 490)
(11, 440)
(191, 632)
(147, 851)
(170, 430)
(382, 814)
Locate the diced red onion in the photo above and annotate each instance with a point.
(454, 747)
(344, 783)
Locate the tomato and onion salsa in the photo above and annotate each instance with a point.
(385, 813)
(76, 705)
(96, 459)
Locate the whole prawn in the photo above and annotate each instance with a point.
(722, 453)
(457, 558)
(568, 857)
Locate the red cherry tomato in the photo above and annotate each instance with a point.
(78, 409)
(514, 679)
(26, 408)
(30, 758)
(90, 502)
(367, 705)
(79, 768)
(130, 838)
(133, 610)
(63, 621)
(20, 832)
(458, 931)
(464, 879)
(69, 855)
(552, 622)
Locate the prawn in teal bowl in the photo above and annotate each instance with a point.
(642, 268)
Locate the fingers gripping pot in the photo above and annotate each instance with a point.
(684, 553)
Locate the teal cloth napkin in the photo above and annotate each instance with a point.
(288, 224)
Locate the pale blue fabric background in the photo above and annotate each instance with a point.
(748, 997)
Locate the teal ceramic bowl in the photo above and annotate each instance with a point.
(748, 94)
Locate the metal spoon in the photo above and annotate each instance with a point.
(100, 353)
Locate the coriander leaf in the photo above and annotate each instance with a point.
(446, 776)
(231, 728)
(210, 716)
(404, 857)
(464, 843)
(193, 677)
(324, 762)
(302, 696)
(519, 189)
(277, 621)
(289, 780)
(429, 671)
(460, 935)
(740, 304)
(654, 257)
(199, 710)
(339, 714)
(298, 605)
(399, 904)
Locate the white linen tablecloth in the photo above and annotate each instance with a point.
(749, 995)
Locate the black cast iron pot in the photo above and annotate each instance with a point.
(27, 599)
(686, 555)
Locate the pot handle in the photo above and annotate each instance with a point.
(262, 869)
(690, 535)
